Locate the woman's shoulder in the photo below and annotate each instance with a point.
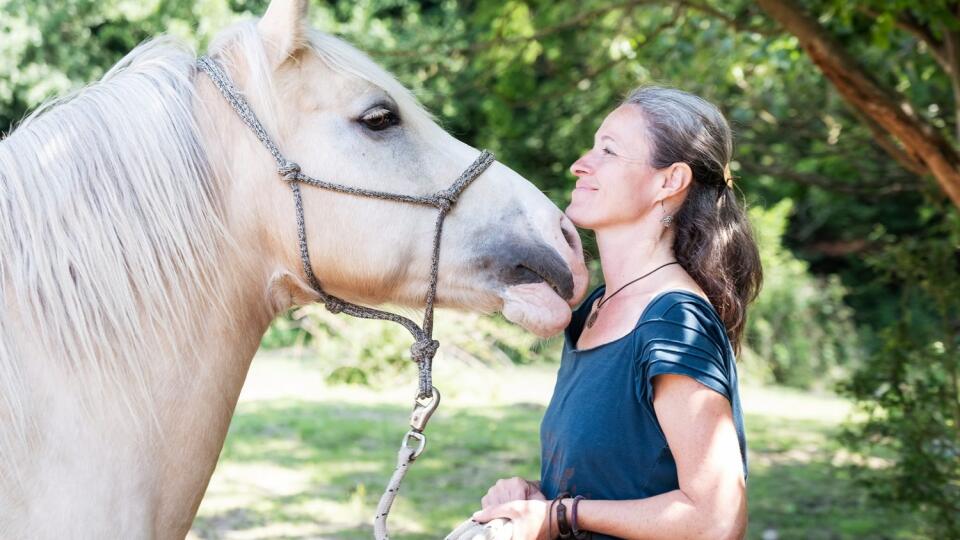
(674, 301)
(683, 314)
(683, 334)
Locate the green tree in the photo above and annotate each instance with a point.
(910, 390)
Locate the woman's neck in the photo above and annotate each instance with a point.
(628, 252)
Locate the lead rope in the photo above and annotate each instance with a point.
(424, 347)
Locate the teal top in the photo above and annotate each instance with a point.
(600, 437)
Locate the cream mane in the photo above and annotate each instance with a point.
(110, 227)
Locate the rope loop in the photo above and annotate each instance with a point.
(443, 203)
(333, 305)
(290, 171)
(445, 200)
(424, 349)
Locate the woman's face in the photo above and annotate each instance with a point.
(614, 178)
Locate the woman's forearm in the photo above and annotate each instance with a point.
(670, 515)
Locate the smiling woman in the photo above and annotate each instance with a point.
(644, 435)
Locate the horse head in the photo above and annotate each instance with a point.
(344, 119)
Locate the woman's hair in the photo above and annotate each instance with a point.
(714, 242)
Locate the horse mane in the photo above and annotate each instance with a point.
(110, 223)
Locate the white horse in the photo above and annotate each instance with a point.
(146, 242)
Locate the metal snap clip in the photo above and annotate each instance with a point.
(422, 411)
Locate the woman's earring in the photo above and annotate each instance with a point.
(667, 219)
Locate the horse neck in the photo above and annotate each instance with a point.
(195, 412)
(155, 466)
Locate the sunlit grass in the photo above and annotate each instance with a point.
(307, 460)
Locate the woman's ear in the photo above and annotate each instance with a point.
(283, 29)
(677, 178)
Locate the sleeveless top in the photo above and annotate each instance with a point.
(600, 437)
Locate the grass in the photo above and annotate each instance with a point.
(308, 460)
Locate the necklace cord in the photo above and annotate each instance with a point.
(604, 300)
(592, 319)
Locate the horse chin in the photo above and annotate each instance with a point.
(536, 307)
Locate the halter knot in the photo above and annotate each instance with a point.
(333, 305)
(424, 349)
(290, 171)
(445, 200)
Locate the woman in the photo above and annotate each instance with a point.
(644, 436)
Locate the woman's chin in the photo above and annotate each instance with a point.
(578, 216)
(537, 308)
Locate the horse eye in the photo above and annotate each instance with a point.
(379, 118)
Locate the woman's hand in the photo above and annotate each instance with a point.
(529, 518)
(511, 489)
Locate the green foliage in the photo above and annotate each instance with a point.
(50, 48)
(910, 387)
(799, 330)
(375, 351)
(285, 331)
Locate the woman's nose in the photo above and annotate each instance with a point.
(580, 167)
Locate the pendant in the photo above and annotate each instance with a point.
(592, 318)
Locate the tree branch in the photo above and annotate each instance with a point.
(829, 184)
(891, 112)
(904, 157)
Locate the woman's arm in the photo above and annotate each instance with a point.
(711, 502)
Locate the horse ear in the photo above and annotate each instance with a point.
(283, 29)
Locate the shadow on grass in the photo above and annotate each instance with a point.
(341, 455)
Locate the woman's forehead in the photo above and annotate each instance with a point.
(625, 124)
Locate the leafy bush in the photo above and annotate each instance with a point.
(362, 352)
(909, 389)
(799, 331)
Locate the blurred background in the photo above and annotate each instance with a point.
(846, 123)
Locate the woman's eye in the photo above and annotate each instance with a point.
(379, 119)
(608, 152)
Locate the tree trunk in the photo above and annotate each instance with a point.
(920, 140)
